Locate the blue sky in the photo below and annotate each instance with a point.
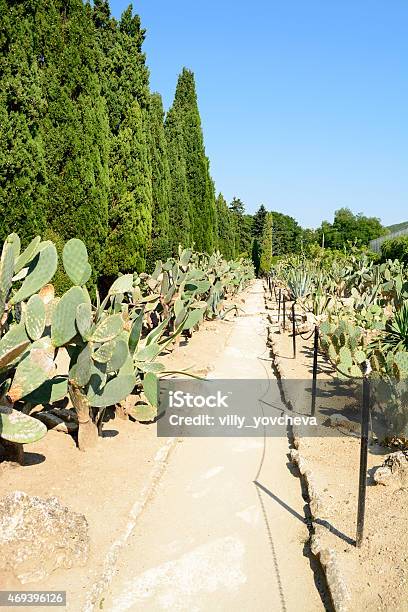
(304, 102)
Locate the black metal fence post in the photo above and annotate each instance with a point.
(314, 383)
(284, 313)
(362, 485)
(294, 330)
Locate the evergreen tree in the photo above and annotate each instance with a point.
(256, 254)
(22, 164)
(245, 236)
(242, 228)
(265, 264)
(199, 183)
(259, 221)
(226, 228)
(237, 207)
(75, 128)
(160, 244)
(125, 86)
(180, 213)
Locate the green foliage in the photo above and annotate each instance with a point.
(75, 129)
(22, 107)
(160, 244)
(199, 184)
(181, 211)
(242, 228)
(61, 280)
(287, 234)
(396, 331)
(259, 222)
(265, 264)
(349, 227)
(226, 228)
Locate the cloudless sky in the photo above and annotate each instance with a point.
(303, 102)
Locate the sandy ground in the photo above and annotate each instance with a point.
(376, 574)
(226, 529)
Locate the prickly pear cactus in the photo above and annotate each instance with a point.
(20, 428)
(344, 346)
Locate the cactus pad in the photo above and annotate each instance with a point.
(75, 260)
(20, 428)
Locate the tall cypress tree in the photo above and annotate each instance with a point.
(125, 86)
(180, 213)
(22, 164)
(160, 244)
(199, 183)
(266, 246)
(75, 128)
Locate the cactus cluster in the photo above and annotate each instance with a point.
(363, 313)
(113, 346)
(344, 346)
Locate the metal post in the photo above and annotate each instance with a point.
(294, 330)
(279, 305)
(314, 383)
(284, 313)
(362, 484)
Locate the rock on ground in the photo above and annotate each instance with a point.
(40, 535)
(394, 470)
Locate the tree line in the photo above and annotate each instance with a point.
(87, 150)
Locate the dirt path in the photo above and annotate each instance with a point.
(225, 529)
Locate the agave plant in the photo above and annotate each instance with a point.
(395, 336)
(300, 283)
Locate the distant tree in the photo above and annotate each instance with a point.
(243, 228)
(245, 236)
(287, 234)
(237, 206)
(259, 221)
(265, 264)
(256, 254)
(348, 227)
(226, 228)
